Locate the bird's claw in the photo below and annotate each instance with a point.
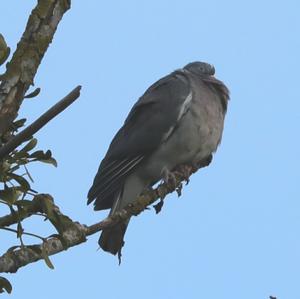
(158, 206)
(179, 190)
(185, 171)
(169, 178)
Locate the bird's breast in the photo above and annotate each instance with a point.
(195, 137)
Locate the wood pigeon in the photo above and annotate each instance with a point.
(178, 121)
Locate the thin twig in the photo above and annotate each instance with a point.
(23, 233)
(40, 122)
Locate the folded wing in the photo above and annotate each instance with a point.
(151, 120)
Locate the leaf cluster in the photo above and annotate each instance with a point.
(17, 184)
(17, 194)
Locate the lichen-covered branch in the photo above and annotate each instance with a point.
(76, 233)
(39, 204)
(40, 122)
(14, 218)
(23, 66)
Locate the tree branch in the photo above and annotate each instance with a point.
(40, 122)
(76, 233)
(37, 206)
(23, 66)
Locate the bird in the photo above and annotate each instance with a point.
(179, 120)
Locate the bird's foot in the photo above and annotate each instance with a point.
(185, 170)
(157, 207)
(120, 256)
(169, 177)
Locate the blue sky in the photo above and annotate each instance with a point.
(235, 232)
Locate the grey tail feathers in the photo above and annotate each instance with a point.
(112, 239)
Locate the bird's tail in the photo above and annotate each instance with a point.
(112, 239)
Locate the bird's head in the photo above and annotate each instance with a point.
(200, 68)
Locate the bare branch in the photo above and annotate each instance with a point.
(23, 66)
(40, 122)
(76, 233)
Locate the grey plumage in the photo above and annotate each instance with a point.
(178, 120)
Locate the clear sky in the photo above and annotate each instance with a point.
(235, 232)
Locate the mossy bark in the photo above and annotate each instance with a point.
(30, 51)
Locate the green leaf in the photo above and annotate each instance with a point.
(13, 169)
(20, 230)
(23, 161)
(48, 154)
(5, 285)
(45, 157)
(46, 258)
(33, 94)
(29, 146)
(19, 155)
(37, 155)
(51, 161)
(10, 194)
(25, 186)
(19, 123)
(4, 50)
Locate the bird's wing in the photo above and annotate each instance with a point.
(150, 122)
